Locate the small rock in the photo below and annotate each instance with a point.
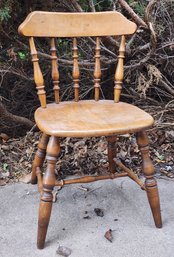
(63, 251)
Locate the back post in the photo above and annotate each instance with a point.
(38, 77)
(55, 71)
(119, 74)
(97, 70)
(76, 72)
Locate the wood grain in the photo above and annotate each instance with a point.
(150, 182)
(76, 72)
(91, 118)
(55, 71)
(42, 24)
(97, 70)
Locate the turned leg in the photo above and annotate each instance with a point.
(39, 157)
(111, 153)
(49, 178)
(150, 181)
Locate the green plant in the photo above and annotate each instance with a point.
(5, 13)
(22, 55)
(138, 6)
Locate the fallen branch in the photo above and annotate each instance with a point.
(5, 115)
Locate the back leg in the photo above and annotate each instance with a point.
(39, 156)
(150, 181)
(111, 153)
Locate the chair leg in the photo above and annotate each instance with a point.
(49, 178)
(111, 153)
(150, 181)
(39, 156)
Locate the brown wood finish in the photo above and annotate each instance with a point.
(112, 153)
(42, 24)
(38, 77)
(91, 118)
(85, 179)
(150, 182)
(130, 173)
(97, 70)
(119, 74)
(39, 180)
(89, 179)
(84, 118)
(76, 72)
(39, 157)
(49, 179)
(55, 71)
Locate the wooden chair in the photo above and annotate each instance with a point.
(84, 118)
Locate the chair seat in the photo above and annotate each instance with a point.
(91, 118)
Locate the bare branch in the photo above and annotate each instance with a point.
(92, 6)
(166, 86)
(77, 6)
(148, 10)
(131, 12)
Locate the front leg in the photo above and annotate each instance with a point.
(150, 181)
(49, 178)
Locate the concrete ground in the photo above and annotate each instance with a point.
(134, 232)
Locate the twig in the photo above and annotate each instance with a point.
(148, 10)
(92, 190)
(82, 188)
(92, 6)
(11, 71)
(166, 86)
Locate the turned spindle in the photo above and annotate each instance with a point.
(55, 71)
(76, 72)
(112, 153)
(119, 71)
(97, 70)
(53, 149)
(38, 77)
(39, 157)
(150, 182)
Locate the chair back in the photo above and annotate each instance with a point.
(74, 25)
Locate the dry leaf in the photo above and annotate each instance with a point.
(2, 182)
(170, 175)
(25, 178)
(4, 137)
(99, 212)
(108, 235)
(87, 217)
